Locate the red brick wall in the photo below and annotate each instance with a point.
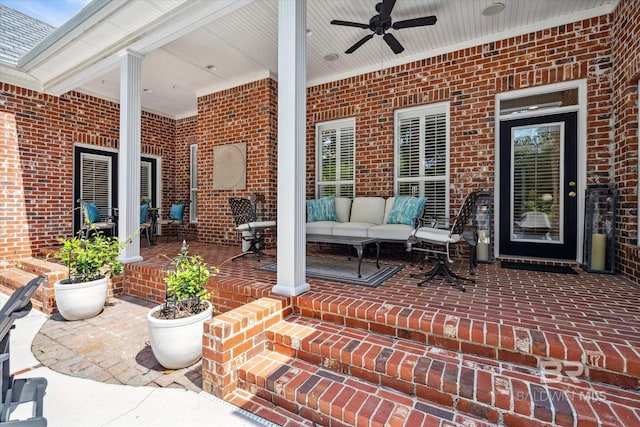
(626, 72)
(243, 114)
(38, 133)
(469, 79)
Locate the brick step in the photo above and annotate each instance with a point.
(493, 390)
(267, 410)
(329, 398)
(609, 361)
(27, 269)
(54, 271)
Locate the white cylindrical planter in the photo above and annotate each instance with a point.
(177, 343)
(77, 301)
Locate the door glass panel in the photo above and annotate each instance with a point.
(537, 175)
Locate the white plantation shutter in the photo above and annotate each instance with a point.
(145, 182)
(95, 182)
(335, 164)
(421, 161)
(193, 185)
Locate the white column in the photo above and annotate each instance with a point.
(129, 158)
(292, 111)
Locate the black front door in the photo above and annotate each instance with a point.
(538, 186)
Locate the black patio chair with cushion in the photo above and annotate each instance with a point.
(175, 220)
(251, 229)
(92, 220)
(146, 225)
(438, 241)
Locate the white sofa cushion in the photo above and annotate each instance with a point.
(390, 231)
(343, 208)
(354, 229)
(368, 210)
(321, 227)
(388, 205)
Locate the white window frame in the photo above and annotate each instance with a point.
(336, 125)
(193, 183)
(422, 112)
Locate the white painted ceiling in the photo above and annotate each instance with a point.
(180, 38)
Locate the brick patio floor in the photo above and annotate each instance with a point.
(598, 313)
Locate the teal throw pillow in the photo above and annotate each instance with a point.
(92, 213)
(176, 212)
(323, 209)
(405, 210)
(144, 210)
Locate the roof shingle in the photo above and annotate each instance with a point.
(19, 33)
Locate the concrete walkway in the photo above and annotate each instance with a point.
(72, 401)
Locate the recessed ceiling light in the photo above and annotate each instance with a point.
(493, 9)
(309, 33)
(212, 67)
(147, 90)
(331, 57)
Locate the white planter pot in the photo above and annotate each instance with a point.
(77, 301)
(177, 343)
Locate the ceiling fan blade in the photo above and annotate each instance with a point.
(416, 22)
(393, 43)
(349, 24)
(386, 8)
(360, 43)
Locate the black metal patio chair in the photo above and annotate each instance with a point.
(438, 241)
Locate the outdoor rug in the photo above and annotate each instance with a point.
(344, 271)
(562, 269)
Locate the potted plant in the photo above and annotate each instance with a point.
(91, 262)
(176, 326)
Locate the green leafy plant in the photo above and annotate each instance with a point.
(90, 258)
(188, 278)
(185, 280)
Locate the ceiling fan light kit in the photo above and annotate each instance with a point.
(380, 23)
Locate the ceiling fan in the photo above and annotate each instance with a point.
(381, 22)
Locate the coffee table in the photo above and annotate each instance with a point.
(357, 242)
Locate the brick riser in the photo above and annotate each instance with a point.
(610, 363)
(497, 392)
(333, 399)
(44, 297)
(26, 270)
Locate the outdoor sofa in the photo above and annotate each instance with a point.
(390, 220)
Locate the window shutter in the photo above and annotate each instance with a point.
(145, 181)
(193, 185)
(421, 157)
(409, 149)
(336, 159)
(435, 146)
(95, 185)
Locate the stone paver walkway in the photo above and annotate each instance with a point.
(112, 347)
